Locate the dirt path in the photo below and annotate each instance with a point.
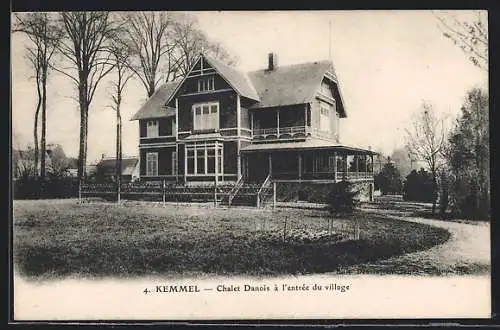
(466, 252)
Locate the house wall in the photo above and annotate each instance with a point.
(230, 157)
(164, 129)
(316, 115)
(164, 161)
(227, 109)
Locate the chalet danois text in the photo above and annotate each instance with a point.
(239, 288)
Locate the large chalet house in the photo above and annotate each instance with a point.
(281, 123)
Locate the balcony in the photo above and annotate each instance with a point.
(281, 132)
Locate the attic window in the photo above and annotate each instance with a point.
(152, 128)
(206, 84)
(326, 90)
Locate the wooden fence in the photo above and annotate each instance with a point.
(156, 192)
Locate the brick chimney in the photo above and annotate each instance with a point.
(272, 61)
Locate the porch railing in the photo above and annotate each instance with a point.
(234, 190)
(262, 189)
(353, 175)
(278, 131)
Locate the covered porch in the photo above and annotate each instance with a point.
(285, 162)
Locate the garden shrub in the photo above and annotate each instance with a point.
(343, 198)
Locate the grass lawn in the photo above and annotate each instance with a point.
(62, 238)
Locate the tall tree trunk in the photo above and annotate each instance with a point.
(118, 171)
(35, 129)
(434, 191)
(82, 147)
(44, 123)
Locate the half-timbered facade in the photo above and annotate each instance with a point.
(218, 124)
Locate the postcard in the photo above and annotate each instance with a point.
(250, 165)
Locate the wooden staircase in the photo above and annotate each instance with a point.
(249, 194)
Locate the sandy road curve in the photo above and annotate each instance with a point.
(466, 252)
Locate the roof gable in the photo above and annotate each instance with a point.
(236, 79)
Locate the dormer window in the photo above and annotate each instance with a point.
(206, 84)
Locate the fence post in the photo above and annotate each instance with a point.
(274, 195)
(118, 192)
(163, 190)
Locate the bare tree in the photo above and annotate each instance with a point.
(44, 35)
(149, 38)
(85, 47)
(426, 140)
(120, 56)
(191, 41)
(471, 35)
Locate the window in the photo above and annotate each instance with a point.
(321, 163)
(324, 119)
(174, 163)
(326, 90)
(190, 161)
(206, 116)
(201, 159)
(152, 128)
(206, 84)
(152, 164)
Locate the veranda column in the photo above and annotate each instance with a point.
(221, 161)
(366, 165)
(216, 163)
(270, 161)
(335, 166)
(185, 163)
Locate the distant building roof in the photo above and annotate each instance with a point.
(108, 165)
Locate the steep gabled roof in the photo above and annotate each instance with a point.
(285, 85)
(155, 106)
(236, 79)
(291, 84)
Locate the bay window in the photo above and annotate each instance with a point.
(206, 116)
(201, 159)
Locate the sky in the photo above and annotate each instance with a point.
(387, 63)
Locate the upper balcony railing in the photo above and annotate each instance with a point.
(277, 132)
